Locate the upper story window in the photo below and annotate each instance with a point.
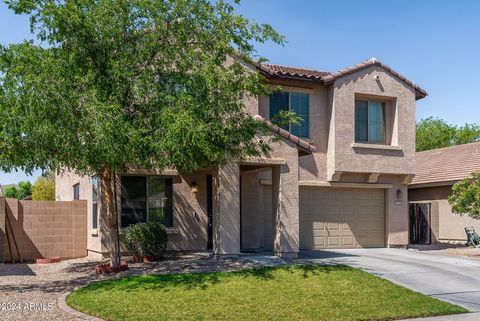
(146, 198)
(76, 191)
(370, 122)
(296, 102)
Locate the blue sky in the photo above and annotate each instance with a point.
(434, 43)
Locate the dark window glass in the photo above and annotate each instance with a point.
(94, 202)
(147, 198)
(160, 200)
(279, 102)
(76, 191)
(361, 116)
(369, 121)
(134, 200)
(296, 102)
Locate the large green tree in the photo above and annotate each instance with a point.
(435, 133)
(465, 197)
(114, 83)
(23, 190)
(44, 188)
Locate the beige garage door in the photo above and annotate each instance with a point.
(341, 218)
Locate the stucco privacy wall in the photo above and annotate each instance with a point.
(43, 229)
(445, 225)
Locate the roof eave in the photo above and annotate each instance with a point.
(330, 79)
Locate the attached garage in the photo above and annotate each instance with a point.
(341, 218)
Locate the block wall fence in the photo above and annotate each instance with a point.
(42, 229)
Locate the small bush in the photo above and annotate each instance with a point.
(146, 239)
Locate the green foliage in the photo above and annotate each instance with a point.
(44, 189)
(467, 134)
(465, 198)
(145, 239)
(23, 190)
(155, 83)
(11, 192)
(435, 133)
(284, 118)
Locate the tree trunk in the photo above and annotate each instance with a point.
(108, 191)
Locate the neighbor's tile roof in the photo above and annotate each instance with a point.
(304, 145)
(329, 77)
(447, 165)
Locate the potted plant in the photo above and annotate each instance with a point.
(146, 241)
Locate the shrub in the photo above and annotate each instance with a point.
(23, 190)
(146, 239)
(44, 189)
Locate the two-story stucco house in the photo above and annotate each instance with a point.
(337, 180)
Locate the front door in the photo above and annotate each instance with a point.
(210, 212)
(419, 231)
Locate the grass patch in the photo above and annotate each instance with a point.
(339, 293)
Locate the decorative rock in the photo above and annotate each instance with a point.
(106, 268)
(48, 260)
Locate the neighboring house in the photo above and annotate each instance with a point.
(431, 217)
(337, 180)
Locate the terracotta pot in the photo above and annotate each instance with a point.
(147, 258)
(106, 268)
(151, 258)
(48, 260)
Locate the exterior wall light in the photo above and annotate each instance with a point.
(194, 187)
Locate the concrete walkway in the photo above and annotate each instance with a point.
(452, 279)
(457, 317)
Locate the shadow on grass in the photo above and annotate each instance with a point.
(202, 280)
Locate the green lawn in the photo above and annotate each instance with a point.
(282, 293)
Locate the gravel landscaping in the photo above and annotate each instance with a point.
(30, 291)
(455, 249)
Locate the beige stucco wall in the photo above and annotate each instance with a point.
(189, 231)
(332, 132)
(314, 166)
(64, 181)
(446, 225)
(378, 160)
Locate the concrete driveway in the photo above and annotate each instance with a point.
(450, 278)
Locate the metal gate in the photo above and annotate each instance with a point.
(419, 230)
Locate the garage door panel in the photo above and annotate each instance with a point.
(342, 218)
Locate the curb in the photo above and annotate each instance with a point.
(62, 304)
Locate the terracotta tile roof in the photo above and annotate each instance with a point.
(288, 71)
(446, 165)
(421, 93)
(330, 77)
(304, 145)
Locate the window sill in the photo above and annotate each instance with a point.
(172, 230)
(376, 146)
